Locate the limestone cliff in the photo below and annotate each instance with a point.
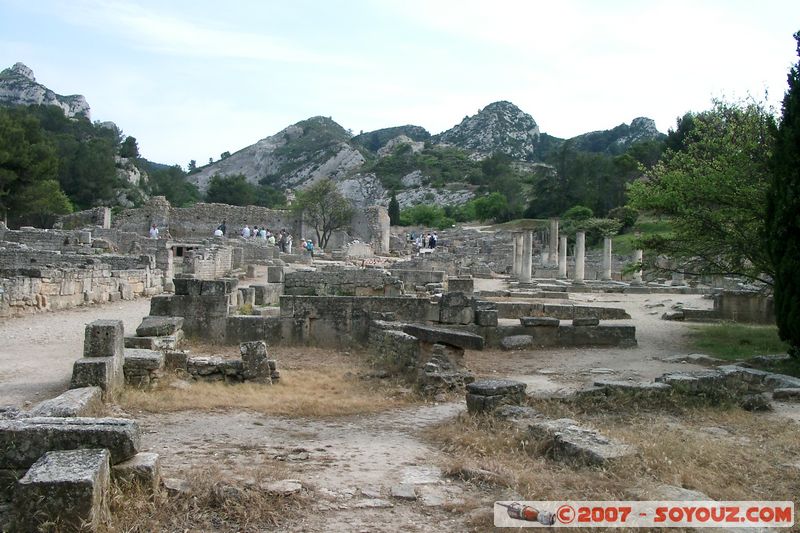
(617, 140)
(498, 127)
(292, 158)
(18, 86)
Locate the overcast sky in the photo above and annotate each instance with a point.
(192, 79)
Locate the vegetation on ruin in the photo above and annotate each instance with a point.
(674, 448)
(714, 192)
(782, 233)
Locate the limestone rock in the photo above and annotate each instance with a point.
(85, 401)
(516, 342)
(157, 326)
(18, 86)
(539, 321)
(143, 469)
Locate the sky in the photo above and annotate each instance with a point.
(192, 79)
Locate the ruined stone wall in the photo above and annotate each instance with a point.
(53, 289)
(747, 307)
(51, 240)
(351, 282)
(97, 216)
(392, 349)
(208, 262)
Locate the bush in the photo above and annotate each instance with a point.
(627, 216)
(578, 212)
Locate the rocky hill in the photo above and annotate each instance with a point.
(498, 127)
(617, 140)
(18, 86)
(292, 158)
(375, 140)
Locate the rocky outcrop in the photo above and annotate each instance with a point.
(292, 158)
(498, 127)
(18, 86)
(375, 140)
(400, 140)
(617, 140)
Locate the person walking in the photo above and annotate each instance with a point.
(153, 231)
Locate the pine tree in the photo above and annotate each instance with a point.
(394, 211)
(783, 214)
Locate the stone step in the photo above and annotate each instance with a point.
(24, 440)
(66, 489)
(433, 335)
(159, 326)
(85, 401)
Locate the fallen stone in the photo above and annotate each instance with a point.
(174, 360)
(515, 412)
(176, 486)
(103, 372)
(255, 362)
(673, 315)
(167, 342)
(790, 394)
(43, 434)
(373, 503)
(434, 335)
(8, 412)
(755, 402)
(284, 487)
(539, 321)
(143, 469)
(486, 317)
(602, 371)
(496, 387)
(574, 442)
(159, 326)
(586, 321)
(646, 387)
(781, 381)
(66, 489)
(370, 491)
(85, 401)
(516, 342)
(404, 491)
(695, 359)
(143, 360)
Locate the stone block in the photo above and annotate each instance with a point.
(573, 442)
(66, 490)
(455, 308)
(275, 274)
(516, 342)
(174, 360)
(463, 285)
(586, 321)
(25, 440)
(539, 321)
(136, 360)
(187, 286)
(787, 394)
(156, 326)
(259, 295)
(433, 335)
(255, 361)
(85, 401)
(488, 394)
(251, 271)
(104, 338)
(218, 287)
(673, 315)
(143, 469)
(103, 372)
(169, 342)
(486, 317)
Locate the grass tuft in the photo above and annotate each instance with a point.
(733, 341)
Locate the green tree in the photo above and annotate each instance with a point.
(42, 201)
(26, 157)
(129, 148)
(783, 214)
(224, 155)
(491, 207)
(714, 192)
(324, 207)
(231, 190)
(171, 182)
(192, 166)
(394, 211)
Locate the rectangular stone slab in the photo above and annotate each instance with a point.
(83, 401)
(158, 326)
(24, 440)
(104, 338)
(66, 488)
(462, 339)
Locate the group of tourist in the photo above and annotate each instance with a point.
(422, 242)
(283, 239)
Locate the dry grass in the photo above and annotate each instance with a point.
(300, 393)
(213, 503)
(726, 454)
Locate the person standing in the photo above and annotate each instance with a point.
(289, 243)
(246, 231)
(222, 228)
(154, 231)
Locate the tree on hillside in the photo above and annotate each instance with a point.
(42, 201)
(324, 207)
(394, 210)
(129, 148)
(171, 182)
(231, 190)
(714, 192)
(783, 212)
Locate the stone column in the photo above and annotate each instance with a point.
(553, 244)
(514, 269)
(637, 275)
(527, 257)
(562, 258)
(580, 257)
(606, 258)
(518, 254)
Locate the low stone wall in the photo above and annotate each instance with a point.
(203, 304)
(209, 262)
(350, 282)
(562, 335)
(748, 307)
(413, 278)
(560, 311)
(97, 216)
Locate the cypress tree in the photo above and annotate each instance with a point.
(394, 211)
(783, 214)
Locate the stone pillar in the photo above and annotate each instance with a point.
(562, 258)
(637, 275)
(553, 244)
(606, 258)
(580, 257)
(514, 269)
(527, 257)
(518, 254)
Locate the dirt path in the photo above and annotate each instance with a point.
(37, 351)
(352, 464)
